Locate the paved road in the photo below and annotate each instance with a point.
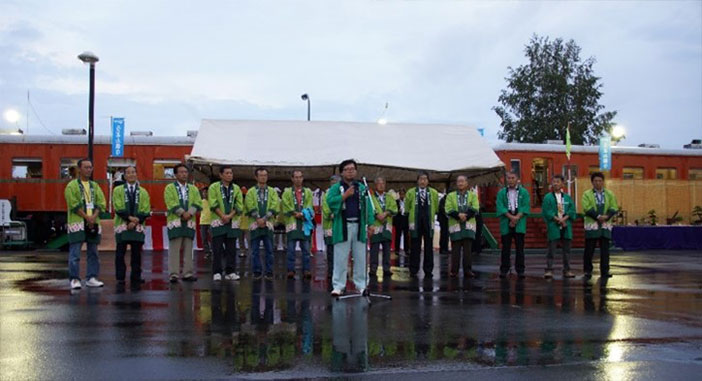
(644, 323)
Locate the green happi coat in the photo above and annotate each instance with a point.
(523, 201)
(75, 200)
(267, 207)
(549, 209)
(336, 206)
(176, 206)
(455, 204)
(382, 230)
(591, 209)
(216, 200)
(141, 209)
(326, 220)
(293, 226)
(412, 204)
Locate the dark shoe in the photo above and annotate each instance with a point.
(174, 278)
(257, 276)
(269, 276)
(568, 274)
(521, 276)
(387, 274)
(548, 274)
(606, 275)
(469, 274)
(137, 281)
(503, 275)
(291, 275)
(373, 274)
(587, 276)
(190, 278)
(453, 275)
(308, 275)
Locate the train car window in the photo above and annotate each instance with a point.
(65, 171)
(666, 173)
(163, 169)
(515, 165)
(632, 173)
(695, 174)
(26, 168)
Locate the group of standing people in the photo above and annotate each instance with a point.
(354, 215)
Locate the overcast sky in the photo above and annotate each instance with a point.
(164, 65)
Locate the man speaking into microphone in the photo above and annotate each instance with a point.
(348, 203)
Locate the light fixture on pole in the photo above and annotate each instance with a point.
(12, 117)
(617, 133)
(306, 97)
(90, 58)
(383, 120)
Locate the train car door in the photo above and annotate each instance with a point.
(540, 168)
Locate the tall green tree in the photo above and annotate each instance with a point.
(556, 87)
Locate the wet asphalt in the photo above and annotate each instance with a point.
(644, 323)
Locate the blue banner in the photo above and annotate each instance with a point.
(605, 153)
(117, 137)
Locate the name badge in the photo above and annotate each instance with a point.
(89, 205)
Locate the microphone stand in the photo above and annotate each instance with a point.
(366, 294)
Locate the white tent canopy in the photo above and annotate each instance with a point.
(396, 151)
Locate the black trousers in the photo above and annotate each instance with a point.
(374, 250)
(223, 247)
(423, 234)
(330, 260)
(443, 236)
(121, 267)
(505, 262)
(590, 245)
(457, 247)
(401, 233)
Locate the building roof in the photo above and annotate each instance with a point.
(535, 147)
(98, 139)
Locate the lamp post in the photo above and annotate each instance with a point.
(306, 97)
(90, 58)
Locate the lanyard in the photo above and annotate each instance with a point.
(82, 194)
(183, 196)
(381, 200)
(227, 196)
(298, 207)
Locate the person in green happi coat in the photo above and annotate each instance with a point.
(132, 206)
(226, 205)
(512, 209)
(461, 208)
(262, 205)
(559, 212)
(297, 209)
(183, 201)
(385, 208)
(599, 207)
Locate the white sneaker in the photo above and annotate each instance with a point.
(336, 292)
(93, 282)
(217, 277)
(232, 276)
(75, 284)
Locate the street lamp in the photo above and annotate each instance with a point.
(90, 58)
(306, 97)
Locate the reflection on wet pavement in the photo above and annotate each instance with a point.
(648, 313)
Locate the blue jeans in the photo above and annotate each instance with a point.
(341, 260)
(304, 248)
(256, 259)
(74, 260)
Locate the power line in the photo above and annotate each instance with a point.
(37, 115)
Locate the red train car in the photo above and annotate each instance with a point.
(34, 171)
